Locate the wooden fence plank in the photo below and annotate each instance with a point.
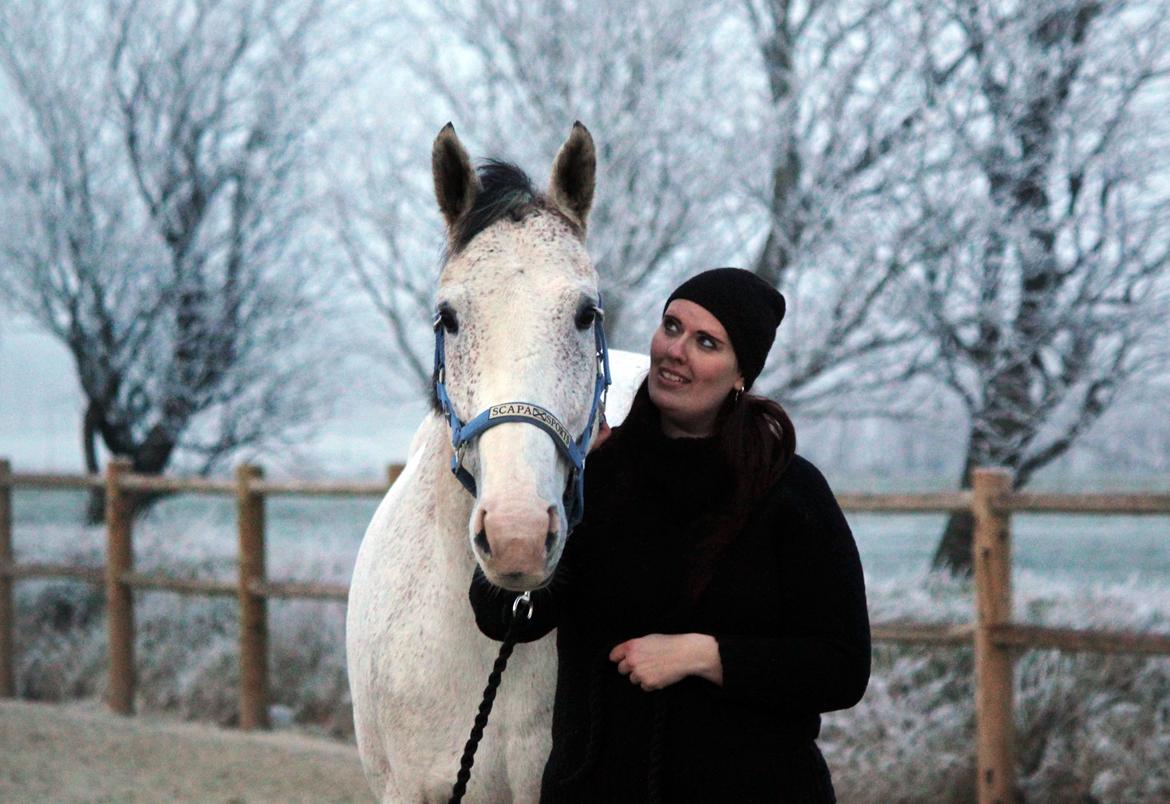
(946, 634)
(38, 480)
(300, 489)
(186, 485)
(253, 607)
(96, 575)
(994, 718)
(933, 502)
(298, 589)
(158, 582)
(1131, 504)
(1035, 637)
(119, 596)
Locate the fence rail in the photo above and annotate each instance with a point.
(996, 639)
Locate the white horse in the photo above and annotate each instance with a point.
(516, 302)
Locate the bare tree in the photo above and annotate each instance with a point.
(648, 81)
(151, 162)
(836, 134)
(1043, 276)
(389, 238)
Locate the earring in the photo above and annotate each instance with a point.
(738, 394)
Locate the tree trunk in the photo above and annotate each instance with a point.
(996, 439)
(95, 508)
(774, 259)
(953, 553)
(149, 458)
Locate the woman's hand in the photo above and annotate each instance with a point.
(659, 660)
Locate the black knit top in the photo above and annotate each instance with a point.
(785, 600)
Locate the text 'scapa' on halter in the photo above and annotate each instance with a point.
(574, 450)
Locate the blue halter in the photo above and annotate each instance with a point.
(574, 450)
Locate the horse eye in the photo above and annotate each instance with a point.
(585, 317)
(448, 319)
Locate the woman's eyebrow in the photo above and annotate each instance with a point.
(709, 335)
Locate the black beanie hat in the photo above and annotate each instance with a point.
(748, 308)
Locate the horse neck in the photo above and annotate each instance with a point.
(447, 502)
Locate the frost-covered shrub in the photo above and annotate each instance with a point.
(1089, 727)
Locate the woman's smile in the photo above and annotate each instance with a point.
(671, 378)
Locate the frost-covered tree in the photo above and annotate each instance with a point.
(1045, 210)
(832, 143)
(650, 81)
(151, 190)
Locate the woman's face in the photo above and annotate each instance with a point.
(692, 369)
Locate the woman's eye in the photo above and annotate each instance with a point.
(706, 343)
(670, 325)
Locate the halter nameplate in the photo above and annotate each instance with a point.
(526, 411)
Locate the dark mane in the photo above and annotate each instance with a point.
(505, 192)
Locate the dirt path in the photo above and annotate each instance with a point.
(80, 752)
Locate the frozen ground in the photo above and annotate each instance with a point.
(79, 752)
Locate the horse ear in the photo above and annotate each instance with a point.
(573, 174)
(455, 181)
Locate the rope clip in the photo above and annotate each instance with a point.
(526, 599)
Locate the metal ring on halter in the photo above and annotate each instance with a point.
(526, 598)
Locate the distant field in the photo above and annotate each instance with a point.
(325, 533)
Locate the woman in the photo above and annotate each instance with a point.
(711, 604)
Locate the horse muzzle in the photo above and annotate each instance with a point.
(516, 542)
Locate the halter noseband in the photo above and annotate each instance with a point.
(574, 450)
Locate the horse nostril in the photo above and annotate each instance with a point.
(482, 543)
(550, 542)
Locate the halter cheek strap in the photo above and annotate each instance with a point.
(573, 450)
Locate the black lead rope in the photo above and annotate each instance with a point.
(521, 612)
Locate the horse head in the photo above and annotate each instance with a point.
(517, 340)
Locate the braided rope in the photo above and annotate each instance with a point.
(485, 705)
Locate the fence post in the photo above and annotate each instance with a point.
(253, 607)
(7, 605)
(119, 596)
(994, 718)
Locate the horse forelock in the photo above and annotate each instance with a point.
(506, 192)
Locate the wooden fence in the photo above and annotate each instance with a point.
(251, 588)
(995, 637)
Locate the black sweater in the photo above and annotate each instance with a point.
(785, 601)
